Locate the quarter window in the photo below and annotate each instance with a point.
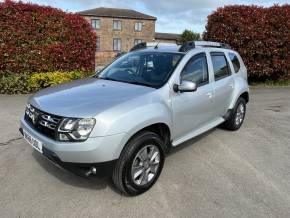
(96, 23)
(220, 65)
(196, 70)
(117, 44)
(138, 26)
(235, 62)
(117, 25)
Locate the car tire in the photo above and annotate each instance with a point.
(237, 116)
(134, 172)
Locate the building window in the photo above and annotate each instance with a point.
(138, 26)
(117, 24)
(117, 44)
(96, 23)
(137, 41)
(98, 43)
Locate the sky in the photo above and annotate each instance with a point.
(172, 15)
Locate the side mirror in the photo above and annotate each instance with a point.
(185, 86)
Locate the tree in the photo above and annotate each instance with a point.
(189, 35)
(37, 38)
(261, 36)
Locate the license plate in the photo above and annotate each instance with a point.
(36, 144)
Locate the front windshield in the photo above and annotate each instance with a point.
(142, 68)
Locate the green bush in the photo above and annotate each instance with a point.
(15, 84)
(25, 83)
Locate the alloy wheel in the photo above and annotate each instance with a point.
(145, 165)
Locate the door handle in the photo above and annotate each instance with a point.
(209, 95)
(231, 85)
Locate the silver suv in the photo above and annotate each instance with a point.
(122, 121)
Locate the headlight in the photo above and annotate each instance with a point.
(76, 129)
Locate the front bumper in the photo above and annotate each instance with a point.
(97, 151)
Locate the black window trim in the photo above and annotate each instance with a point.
(228, 66)
(232, 53)
(198, 55)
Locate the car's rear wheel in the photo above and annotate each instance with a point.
(140, 164)
(237, 116)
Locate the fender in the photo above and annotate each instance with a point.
(241, 86)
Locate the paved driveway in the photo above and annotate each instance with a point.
(220, 174)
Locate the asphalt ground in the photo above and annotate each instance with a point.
(219, 174)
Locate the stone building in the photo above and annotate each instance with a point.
(118, 30)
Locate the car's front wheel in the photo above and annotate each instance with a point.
(140, 164)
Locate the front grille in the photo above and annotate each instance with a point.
(43, 122)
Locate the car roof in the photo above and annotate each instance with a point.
(175, 48)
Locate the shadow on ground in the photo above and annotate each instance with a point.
(96, 183)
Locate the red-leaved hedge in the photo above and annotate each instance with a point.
(260, 35)
(37, 38)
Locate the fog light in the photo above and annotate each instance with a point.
(63, 137)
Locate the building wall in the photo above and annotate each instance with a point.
(105, 54)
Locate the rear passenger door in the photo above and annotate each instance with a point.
(223, 83)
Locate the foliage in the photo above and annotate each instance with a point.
(15, 84)
(43, 80)
(260, 35)
(26, 83)
(189, 35)
(37, 38)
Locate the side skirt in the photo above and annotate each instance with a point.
(198, 131)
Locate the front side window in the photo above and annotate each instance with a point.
(220, 65)
(137, 41)
(96, 23)
(138, 26)
(117, 25)
(117, 44)
(196, 70)
(142, 68)
(235, 61)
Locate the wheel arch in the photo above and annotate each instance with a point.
(160, 128)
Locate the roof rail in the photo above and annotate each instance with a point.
(155, 44)
(193, 44)
(139, 46)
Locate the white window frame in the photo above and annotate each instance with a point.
(137, 41)
(138, 26)
(117, 44)
(94, 23)
(117, 25)
(98, 43)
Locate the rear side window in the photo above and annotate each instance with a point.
(235, 62)
(196, 70)
(220, 65)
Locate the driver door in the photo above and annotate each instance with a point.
(191, 110)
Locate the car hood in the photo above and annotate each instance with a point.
(86, 98)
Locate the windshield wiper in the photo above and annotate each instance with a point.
(134, 83)
(108, 78)
(141, 84)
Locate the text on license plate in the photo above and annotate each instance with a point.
(33, 141)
